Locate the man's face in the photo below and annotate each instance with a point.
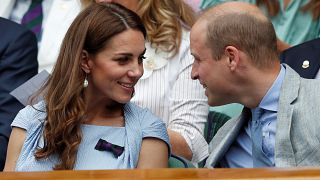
(209, 71)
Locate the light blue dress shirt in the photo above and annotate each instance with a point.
(240, 153)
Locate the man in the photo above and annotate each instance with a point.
(304, 58)
(236, 60)
(18, 63)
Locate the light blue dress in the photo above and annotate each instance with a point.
(292, 25)
(139, 123)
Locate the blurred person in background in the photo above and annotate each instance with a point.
(18, 63)
(48, 19)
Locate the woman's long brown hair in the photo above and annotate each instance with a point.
(63, 92)
(273, 7)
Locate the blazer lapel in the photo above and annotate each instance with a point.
(225, 137)
(284, 154)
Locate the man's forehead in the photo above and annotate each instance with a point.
(198, 29)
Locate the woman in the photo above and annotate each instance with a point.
(295, 21)
(86, 120)
(166, 87)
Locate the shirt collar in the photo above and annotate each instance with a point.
(271, 99)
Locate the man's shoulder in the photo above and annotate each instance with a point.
(296, 88)
(294, 77)
(11, 32)
(8, 26)
(311, 87)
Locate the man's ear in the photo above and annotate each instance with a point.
(233, 56)
(85, 66)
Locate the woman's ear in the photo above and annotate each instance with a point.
(85, 61)
(233, 56)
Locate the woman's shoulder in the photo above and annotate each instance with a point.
(135, 110)
(37, 110)
(30, 115)
(149, 124)
(144, 115)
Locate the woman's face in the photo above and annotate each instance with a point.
(115, 70)
(130, 4)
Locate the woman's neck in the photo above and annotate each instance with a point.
(104, 114)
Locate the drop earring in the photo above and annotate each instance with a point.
(85, 82)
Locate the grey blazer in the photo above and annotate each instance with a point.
(298, 125)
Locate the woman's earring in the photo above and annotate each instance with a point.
(85, 82)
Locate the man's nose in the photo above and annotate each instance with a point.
(194, 72)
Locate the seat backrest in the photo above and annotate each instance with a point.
(179, 162)
(215, 121)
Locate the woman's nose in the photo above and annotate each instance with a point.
(136, 71)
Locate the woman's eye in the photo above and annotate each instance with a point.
(123, 60)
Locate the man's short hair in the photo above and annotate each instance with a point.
(253, 35)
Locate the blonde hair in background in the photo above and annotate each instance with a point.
(163, 20)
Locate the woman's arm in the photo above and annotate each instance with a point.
(153, 154)
(16, 141)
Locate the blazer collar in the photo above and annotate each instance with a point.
(224, 138)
